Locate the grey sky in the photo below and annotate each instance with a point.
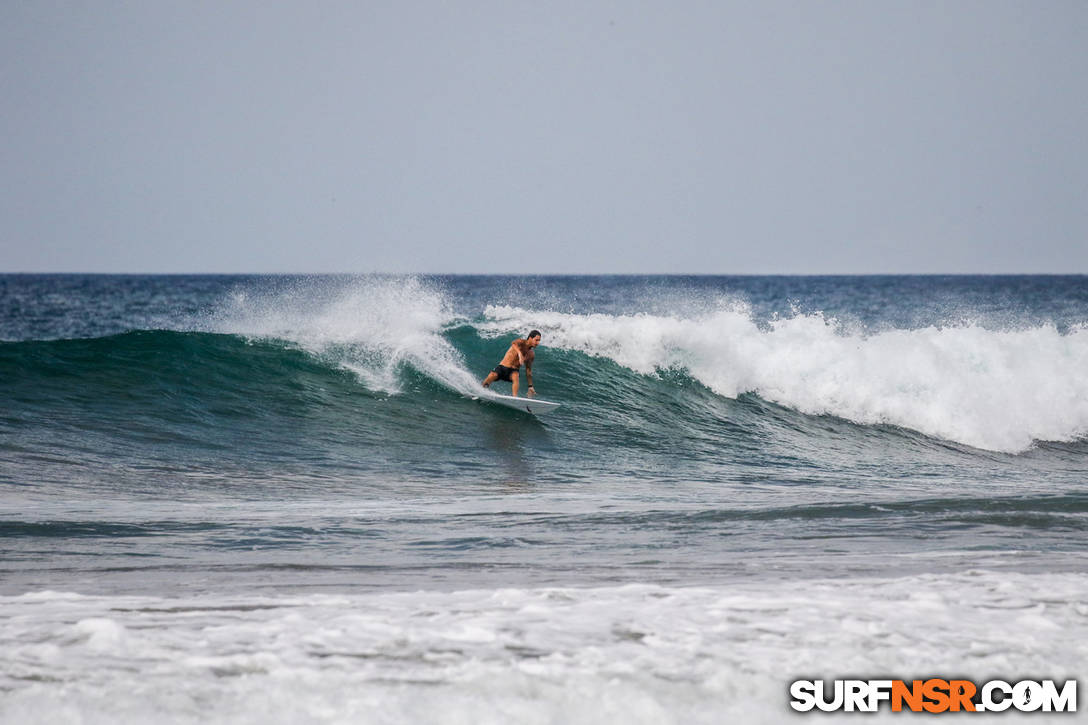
(710, 137)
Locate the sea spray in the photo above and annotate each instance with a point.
(209, 514)
(370, 325)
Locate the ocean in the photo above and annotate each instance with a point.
(274, 499)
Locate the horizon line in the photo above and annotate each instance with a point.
(540, 274)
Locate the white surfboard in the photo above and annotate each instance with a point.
(529, 405)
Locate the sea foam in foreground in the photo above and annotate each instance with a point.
(275, 500)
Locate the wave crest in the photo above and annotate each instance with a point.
(991, 389)
(371, 326)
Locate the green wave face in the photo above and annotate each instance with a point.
(213, 401)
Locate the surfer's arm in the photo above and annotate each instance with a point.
(529, 374)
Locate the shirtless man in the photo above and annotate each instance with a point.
(520, 353)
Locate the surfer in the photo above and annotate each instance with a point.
(520, 353)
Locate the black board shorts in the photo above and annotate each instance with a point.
(504, 372)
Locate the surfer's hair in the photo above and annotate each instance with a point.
(534, 333)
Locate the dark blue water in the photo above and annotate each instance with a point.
(295, 432)
(278, 500)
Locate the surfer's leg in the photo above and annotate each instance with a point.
(514, 384)
(491, 377)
